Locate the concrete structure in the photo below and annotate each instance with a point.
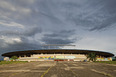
(6, 58)
(58, 55)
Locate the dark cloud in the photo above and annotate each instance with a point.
(61, 37)
(48, 40)
(96, 15)
(59, 13)
(26, 24)
(61, 34)
(30, 31)
(19, 46)
(106, 24)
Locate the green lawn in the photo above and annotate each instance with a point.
(12, 62)
(108, 62)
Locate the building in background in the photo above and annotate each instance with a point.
(58, 55)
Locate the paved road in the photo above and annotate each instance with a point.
(58, 69)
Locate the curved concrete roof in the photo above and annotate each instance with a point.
(57, 51)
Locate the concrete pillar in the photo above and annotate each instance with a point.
(24, 55)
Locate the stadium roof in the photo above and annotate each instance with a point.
(56, 51)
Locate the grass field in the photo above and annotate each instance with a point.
(12, 62)
(108, 62)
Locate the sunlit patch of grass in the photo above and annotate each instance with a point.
(12, 62)
(107, 62)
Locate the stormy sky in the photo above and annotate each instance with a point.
(28, 24)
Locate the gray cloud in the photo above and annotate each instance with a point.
(48, 40)
(20, 47)
(96, 15)
(85, 13)
(30, 31)
(25, 44)
(109, 22)
(60, 37)
(26, 24)
(61, 34)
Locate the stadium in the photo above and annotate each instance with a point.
(57, 55)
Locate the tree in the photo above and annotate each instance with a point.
(91, 56)
(114, 58)
(14, 57)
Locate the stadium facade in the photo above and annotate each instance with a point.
(57, 55)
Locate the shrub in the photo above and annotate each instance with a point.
(14, 57)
